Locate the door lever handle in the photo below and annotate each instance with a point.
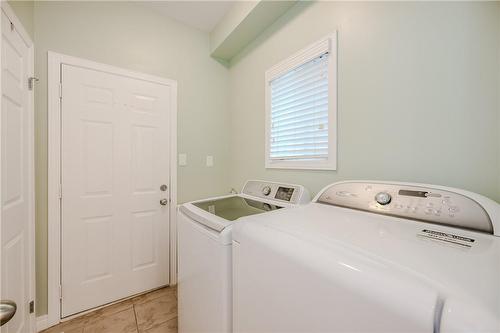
(7, 311)
(163, 202)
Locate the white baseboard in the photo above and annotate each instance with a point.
(42, 323)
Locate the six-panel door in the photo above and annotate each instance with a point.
(115, 157)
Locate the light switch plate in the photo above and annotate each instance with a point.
(183, 159)
(210, 161)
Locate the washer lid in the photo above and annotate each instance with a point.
(219, 213)
(459, 264)
(232, 208)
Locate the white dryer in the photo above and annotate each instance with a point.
(371, 257)
(204, 287)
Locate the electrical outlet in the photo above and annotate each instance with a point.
(210, 161)
(183, 159)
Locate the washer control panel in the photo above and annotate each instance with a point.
(294, 194)
(410, 201)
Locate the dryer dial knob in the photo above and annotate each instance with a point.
(266, 190)
(383, 198)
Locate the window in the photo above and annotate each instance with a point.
(301, 105)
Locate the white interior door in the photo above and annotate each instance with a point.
(115, 157)
(17, 199)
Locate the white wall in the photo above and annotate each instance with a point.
(417, 93)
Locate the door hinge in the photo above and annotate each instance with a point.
(60, 292)
(31, 82)
(60, 191)
(32, 306)
(60, 90)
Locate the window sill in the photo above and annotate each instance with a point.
(290, 165)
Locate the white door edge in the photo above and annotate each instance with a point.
(7, 10)
(55, 60)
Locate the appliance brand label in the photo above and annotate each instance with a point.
(454, 239)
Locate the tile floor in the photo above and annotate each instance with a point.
(154, 312)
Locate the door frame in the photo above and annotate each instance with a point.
(55, 62)
(7, 10)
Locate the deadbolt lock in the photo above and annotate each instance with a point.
(163, 188)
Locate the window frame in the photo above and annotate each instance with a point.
(324, 45)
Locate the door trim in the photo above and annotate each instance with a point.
(55, 62)
(7, 9)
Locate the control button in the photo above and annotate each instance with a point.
(429, 211)
(345, 194)
(266, 190)
(453, 209)
(383, 198)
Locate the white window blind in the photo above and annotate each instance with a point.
(299, 112)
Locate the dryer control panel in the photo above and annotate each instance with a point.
(293, 194)
(410, 201)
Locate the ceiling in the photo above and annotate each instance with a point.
(203, 15)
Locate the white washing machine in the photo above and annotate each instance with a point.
(371, 257)
(204, 272)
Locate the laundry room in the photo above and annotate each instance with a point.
(199, 166)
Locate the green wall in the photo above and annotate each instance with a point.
(133, 36)
(418, 91)
(24, 12)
